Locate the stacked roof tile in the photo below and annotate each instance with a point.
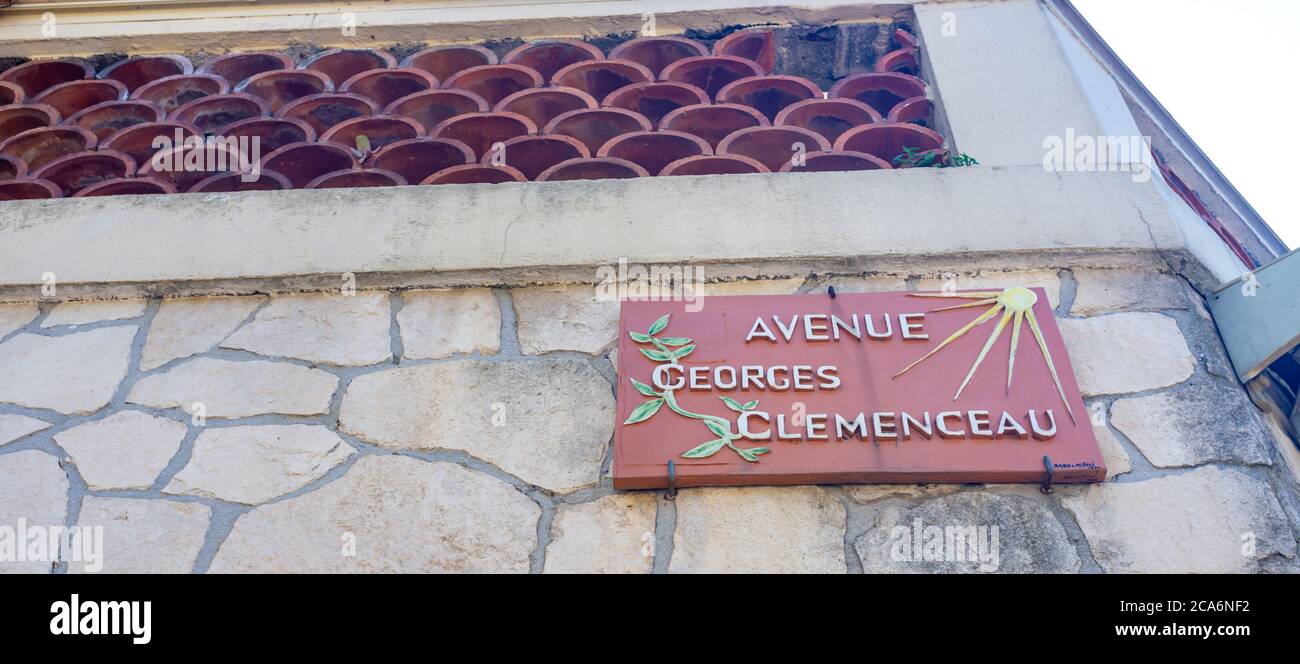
(547, 110)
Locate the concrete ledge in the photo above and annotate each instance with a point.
(531, 232)
(87, 29)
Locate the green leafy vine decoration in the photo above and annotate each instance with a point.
(671, 350)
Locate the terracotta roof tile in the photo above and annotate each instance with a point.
(902, 60)
(386, 86)
(280, 87)
(379, 130)
(531, 155)
(323, 111)
(655, 53)
(656, 99)
(17, 119)
(446, 61)
(495, 82)
(837, 161)
(216, 157)
(238, 67)
(828, 117)
(476, 174)
(550, 109)
(418, 158)
(340, 64)
(431, 107)
(599, 78)
(916, 110)
(272, 133)
(11, 93)
(75, 172)
(774, 147)
(37, 147)
(653, 150)
(267, 180)
(304, 162)
(888, 140)
(592, 168)
(358, 177)
(22, 189)
(137, 141)
(880, 90)
(141, 69)
(73, 96)
(480, 130)
(11, 167)
(713, 122)
(108, 118)
(769, 94)
(172, 92)
(40, 75)
(541, 105)
(136, 186)
(547, 57)
(596, 126)
(213, 112)
(711, 73)
(757, 45)
(714, 165)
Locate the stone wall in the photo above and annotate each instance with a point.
(470, 431)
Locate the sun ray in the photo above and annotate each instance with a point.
(955, 335)
(980, 295)
(1047, 355)
(1015, 341)
(993, 337)
(976, 303)
(1016, 305)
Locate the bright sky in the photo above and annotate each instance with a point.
(1227, 72)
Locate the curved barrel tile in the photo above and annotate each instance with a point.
(541, 105)
(653, 150)
(326, 110)
(340, 64)
(531, 155)
(774, 147)
(713, 122)
(476, 174)
(551, 55)
(655, 53)
(714, 165)
(596, 126)
(385, 86)
(481, 130)
(593, 168)
(418, 158)
(446, 61)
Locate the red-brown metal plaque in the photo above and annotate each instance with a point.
(807, 389)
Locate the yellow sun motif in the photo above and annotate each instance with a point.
(1016, 305)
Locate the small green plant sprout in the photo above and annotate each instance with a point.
(671, 350)
(363, 147)
(914, 158)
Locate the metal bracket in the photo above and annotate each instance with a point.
(1046, 486)
(672, 481)
(830, 290)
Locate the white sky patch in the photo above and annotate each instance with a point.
(1225, 71)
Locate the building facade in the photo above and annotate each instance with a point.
(346, 374)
